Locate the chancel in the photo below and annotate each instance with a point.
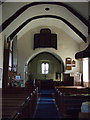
(45, 60)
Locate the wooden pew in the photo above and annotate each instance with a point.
(69, 100)
(85, 111)
(70, 106)
(84, 116)
(12, 100)
(17, 102)
(73, 89)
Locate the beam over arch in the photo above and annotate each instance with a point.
(48, 16)
(22, 9)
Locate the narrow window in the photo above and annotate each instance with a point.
(44, 68)
(85, 70)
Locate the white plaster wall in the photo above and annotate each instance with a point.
(79, 7)
(9, 8)
(67, 47)
(50, 22)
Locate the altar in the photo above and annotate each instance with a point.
(45, 84)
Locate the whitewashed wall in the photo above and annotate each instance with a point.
(66, 47)
(67, 39)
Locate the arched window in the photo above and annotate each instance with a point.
(45, 68)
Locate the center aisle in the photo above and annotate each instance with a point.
(46, 107)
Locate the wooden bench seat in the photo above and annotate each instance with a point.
(73, 89)
(69, 100)
(9, 112)
(84, 116)
(19, 104)
(72, 104)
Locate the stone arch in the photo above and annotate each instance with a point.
(44, 51)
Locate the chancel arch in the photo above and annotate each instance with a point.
(56, 65)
